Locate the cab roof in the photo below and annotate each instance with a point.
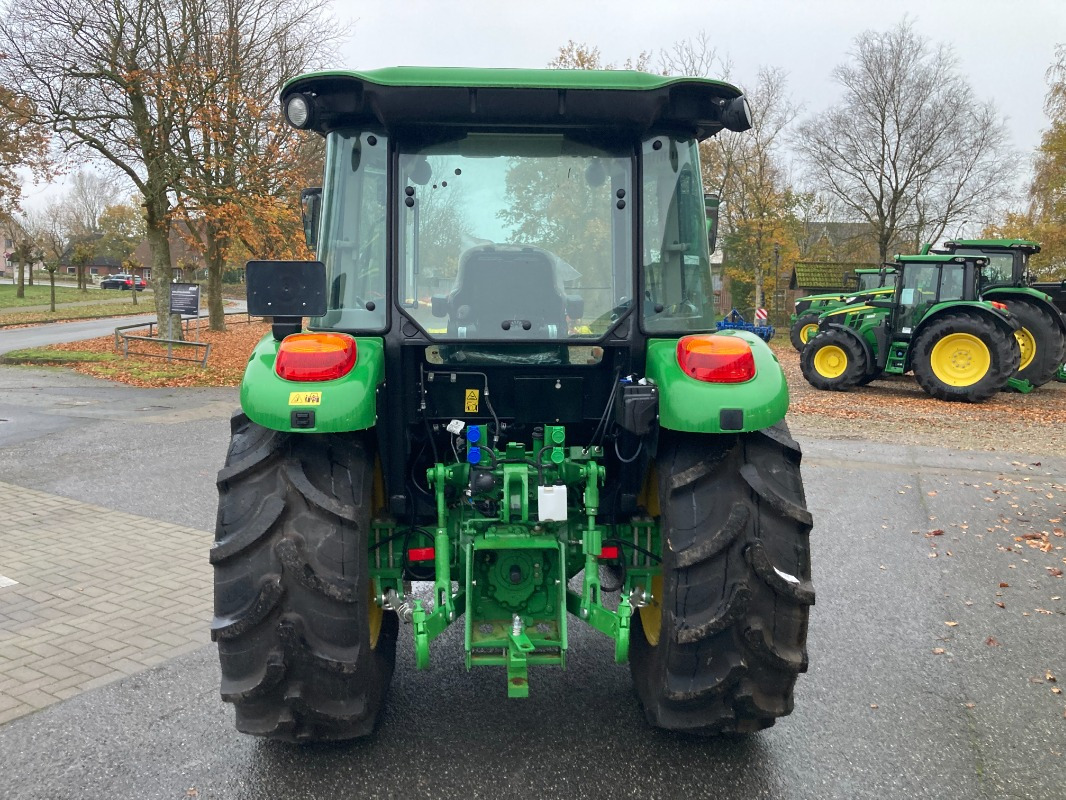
(938, 258)
(996, 244)
(396, 98)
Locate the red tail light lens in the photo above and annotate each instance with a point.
(1000, 306)
(421, 554)
(609, 552)
(315, 356)
(716, 359)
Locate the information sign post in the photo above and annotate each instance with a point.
(185, 301)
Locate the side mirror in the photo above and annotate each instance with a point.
(711, 202)
(310, 208)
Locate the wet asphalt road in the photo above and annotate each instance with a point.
(971, 722)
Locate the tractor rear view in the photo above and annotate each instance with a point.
(510, 390)
(959, 347)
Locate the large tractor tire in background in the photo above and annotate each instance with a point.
(306, 654)
(1040, 339)
(834, 361)
(803, 330)
(964, 357)
(719, 647)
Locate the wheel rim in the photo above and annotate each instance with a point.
(807, 332)
(1027, 344)
(375, 614)
(651, 615)
(960, 359)
(830, 361)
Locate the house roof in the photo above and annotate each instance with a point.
(96, 260)
(824, 275)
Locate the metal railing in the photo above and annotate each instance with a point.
(126, 338)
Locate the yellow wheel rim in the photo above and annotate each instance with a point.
(374, 614)
(830, 361)
(960, 359)
(651, 615)
(807, 332)
(1027, 344)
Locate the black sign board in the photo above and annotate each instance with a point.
(185, 299)
(286, 288)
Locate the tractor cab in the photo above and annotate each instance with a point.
(867, 280)
(1008, 259)
(509, 389)
(924, 282)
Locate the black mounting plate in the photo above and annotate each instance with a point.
(286, 288)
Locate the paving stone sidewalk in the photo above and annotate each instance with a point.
(89, 595)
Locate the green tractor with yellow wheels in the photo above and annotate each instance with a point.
(507, 410)
(871, 283)
(958, 346)
(1007, 279)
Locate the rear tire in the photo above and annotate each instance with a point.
(1041, 342)
(306, 655)
(833, 361)
(800, 333)
(719, 649)
(964, 357)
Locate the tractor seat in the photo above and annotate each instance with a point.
(507, 288)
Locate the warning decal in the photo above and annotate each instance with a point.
(305, 398)
(472, 397)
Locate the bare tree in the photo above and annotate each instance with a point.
(50, 231)
(695, 57)
(89, 194)
(747, 170)
(908, 150)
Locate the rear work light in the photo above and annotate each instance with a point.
(716, 359)
(315, 356)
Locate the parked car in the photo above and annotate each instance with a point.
(123, 282)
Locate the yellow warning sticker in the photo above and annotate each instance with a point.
(472, 397)
(305, 398)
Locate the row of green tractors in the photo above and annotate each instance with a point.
(966, 319)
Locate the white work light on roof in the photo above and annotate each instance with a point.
(298, 111)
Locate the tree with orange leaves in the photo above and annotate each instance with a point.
(23, 144)
(238, 164)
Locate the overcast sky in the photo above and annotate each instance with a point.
(1004, 48)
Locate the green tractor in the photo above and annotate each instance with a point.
(509, 390)
(1007, 279)
(959, 347)
(872, 283)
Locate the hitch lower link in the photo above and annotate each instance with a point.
(517, 542)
